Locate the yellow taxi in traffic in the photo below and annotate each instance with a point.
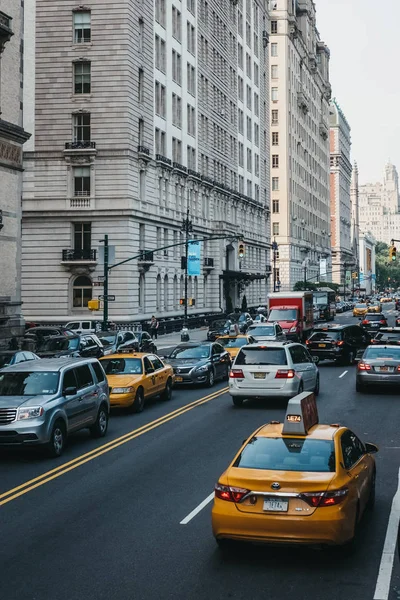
(233, 343)
(133, 377)
(375, 308)
(360, 310)
(386, 299)
(296, 482)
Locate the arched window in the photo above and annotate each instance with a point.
(81, 292)
(158, 292)
(141, 292)
(175, 292)
(166, 293)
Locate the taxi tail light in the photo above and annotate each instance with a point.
(321, 499)
(284, 374)
(236, 374)
(229, 493)
(363, 367)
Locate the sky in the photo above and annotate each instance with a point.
(364, 40)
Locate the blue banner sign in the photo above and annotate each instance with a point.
(194, 261)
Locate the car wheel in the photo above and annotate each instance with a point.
(56, 444)
(99, 429)
(138, 403)
(360, 387)
(167, 393)
(371, 497)
(237, 401)
(210, 378)
(351, 357)
(316, 389)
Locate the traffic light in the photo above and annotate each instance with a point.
(394, 250)
(241, 250)
(94, 305)
(182, 302)
(192, 301)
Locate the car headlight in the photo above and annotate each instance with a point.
(202, 369)
(31, 412)
(292, 329)
(125, 390)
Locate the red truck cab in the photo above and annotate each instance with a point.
(294, 313)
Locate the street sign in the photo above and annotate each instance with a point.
(110, 298)
(101, 278)
(111, 255)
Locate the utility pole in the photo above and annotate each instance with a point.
(274, 247)
(187, 228)
(105, 299)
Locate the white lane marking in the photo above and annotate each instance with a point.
(198, 509)
(343, 374)
(382, 589)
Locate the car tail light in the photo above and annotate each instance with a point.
(382, 321)
(374, 341)
(365, 322)
(363, 367)
(236, 374)
(320, 499)
(340, 343)
(307, 342)
(284, 374)
(230, 494)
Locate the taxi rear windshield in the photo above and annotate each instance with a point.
(261, 356)
(232, 342)
(288, 454)
(122, 366)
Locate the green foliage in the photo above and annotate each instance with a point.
(329, 284)
(387, 272)
(299, 286)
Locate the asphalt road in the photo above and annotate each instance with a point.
(107, 525)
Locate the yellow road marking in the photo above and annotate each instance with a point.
(84, 458)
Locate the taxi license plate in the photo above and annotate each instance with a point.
(321, 345)
(259, 375)
(274, 505)
(178, 379)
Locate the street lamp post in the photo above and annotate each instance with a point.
(187, 229)
(274, 247)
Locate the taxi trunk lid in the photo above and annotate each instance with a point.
(286, 500)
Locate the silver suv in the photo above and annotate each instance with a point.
(43, 401)
(273, 369)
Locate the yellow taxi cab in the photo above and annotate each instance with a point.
(386, 299)
(375, 307)
(133, 377)
(296, 482)
(360, 310)
(233, 343)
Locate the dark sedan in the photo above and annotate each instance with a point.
(201, 363)
(79, 345)
(218, 328)
(113, 340)
(372, 322)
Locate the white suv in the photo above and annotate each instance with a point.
(275, 369)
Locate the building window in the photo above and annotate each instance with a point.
(191, 158)
(249, 162)
(274, 49)
(256, 165)
(160, 54)
(82, 78)
(275, 138)
(274, 117)
(274, 26)
(160, 100)
(275, 206)
(191, 39)
(160, 12)
(82, 30)
(141, 288)
(191, 79)
(256, 135)
(191, 5)
(275, 161)
(249, 188)
(176, 24)
(160, 141)
(176, 110)
(240, 88)
(81, 181)
(82, 236)
(240, 56)
(176, 67)
(81, 124)
(81, 292)
(256, 104)
(274, 71)
(241, 154)
(274, 94)
(249, 128)
(241, 121)
(275, 228)
(248, 96)
(141, 86)
(191, 120)
(275, 184)
(176, 150)
(256, 75)
(248, 65)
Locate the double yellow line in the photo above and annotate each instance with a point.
(32, 484)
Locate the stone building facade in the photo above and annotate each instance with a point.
(12, 138)
(300, 92)
(141, 115)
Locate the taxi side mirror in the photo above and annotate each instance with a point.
(70, 391)
(371, 448)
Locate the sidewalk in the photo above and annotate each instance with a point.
(172, 339)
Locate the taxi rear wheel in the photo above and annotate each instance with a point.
(167, 393)
(138, 403)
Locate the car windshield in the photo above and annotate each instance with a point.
(29, 383)
(288, 454)
(325, 335)
(60, 344)
(374, 317)
(219, 324)
(232, 342)
(242, 318)
(5, 359)
(195, 352)
(122, 366)
(107, 339)
(265, 330)
(283, 314)
(361, 306)
(261, 356)
(382, 354)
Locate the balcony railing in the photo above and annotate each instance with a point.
(146, 256)
(163, 159)
(80, 145)
(86, 255)
(208, 263)
(179, 167)
(143, 150)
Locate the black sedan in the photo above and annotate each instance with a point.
(372, 322)
(201, 363)
(78, 345)
(218, 328)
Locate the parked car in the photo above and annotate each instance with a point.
(43, 401)
(372, 322)
(113, 340)
(218, 328)
(40, 334)
(146, 344)
(13, 357)
(78, 345)
(199, 363)
(87, 326)
(269, 332)
(337, 342)
(276, 369)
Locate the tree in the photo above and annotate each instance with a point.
(387, 273)
(299, 286)
(244, 303)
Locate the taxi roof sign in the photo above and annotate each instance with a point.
(301, 414)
